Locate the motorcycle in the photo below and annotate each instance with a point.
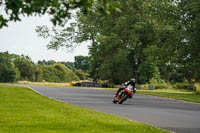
(126, 93)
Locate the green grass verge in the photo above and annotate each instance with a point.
(24, 111)
(179, 94)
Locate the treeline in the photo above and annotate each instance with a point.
(151, 40)
(19, 67)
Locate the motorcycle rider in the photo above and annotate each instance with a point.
(128, 83)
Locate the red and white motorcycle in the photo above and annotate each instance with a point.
(126, 93)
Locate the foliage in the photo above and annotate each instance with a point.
(19, 67)
(183, 86)
(155, 81)
(188, 52)
(8, 70)
(43, 62)
(58, 73)
(28, 70)
(162, 86)
(59, 10)
(128, 44)
(156, 86)
(149, 40)
(153, 41)
(179, 86)
(81, 74)
(144, 87)
(197, 87)
(124, 44)
(82, 62)
(59, 37)
(69, 65)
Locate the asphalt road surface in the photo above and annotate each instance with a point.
(173, 115)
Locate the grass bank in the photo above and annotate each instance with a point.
(24, 111)
(47, 84)
(180, 94)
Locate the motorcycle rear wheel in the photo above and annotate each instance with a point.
(115, 100)
(123, 98)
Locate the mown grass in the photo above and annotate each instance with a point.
(24, 111)
(45, 84)
(180, 94)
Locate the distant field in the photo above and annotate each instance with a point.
(24, 111)
(179, 94)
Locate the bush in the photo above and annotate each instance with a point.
(156, 81)
(8, 73)
(58, 73)
(197, 87)
(8, 70)
(81, 74)
(156, 86)
(162, 86)
(64, 73)
(144, 87)
(183, 86)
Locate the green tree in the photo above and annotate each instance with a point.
(140, 41)
(81, 62)
(188, 53)
(120, 41)
(59, 10)
(42, 63)
(8, 71)
(68, 64)
(28, 70)
(58, 73)
(81, 74)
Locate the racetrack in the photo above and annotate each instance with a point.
(174, 115)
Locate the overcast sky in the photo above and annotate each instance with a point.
(21, 38)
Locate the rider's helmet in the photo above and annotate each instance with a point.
(133, 80)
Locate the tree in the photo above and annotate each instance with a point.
(58, 73)
(188, 53)
(8, 71)
(120, 41)
(59, 10)
(42, 63)
(81, 74)
(82, 62)
(141, 41)
(68, 64)
(28, 70)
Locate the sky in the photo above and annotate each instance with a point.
(21, 38)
